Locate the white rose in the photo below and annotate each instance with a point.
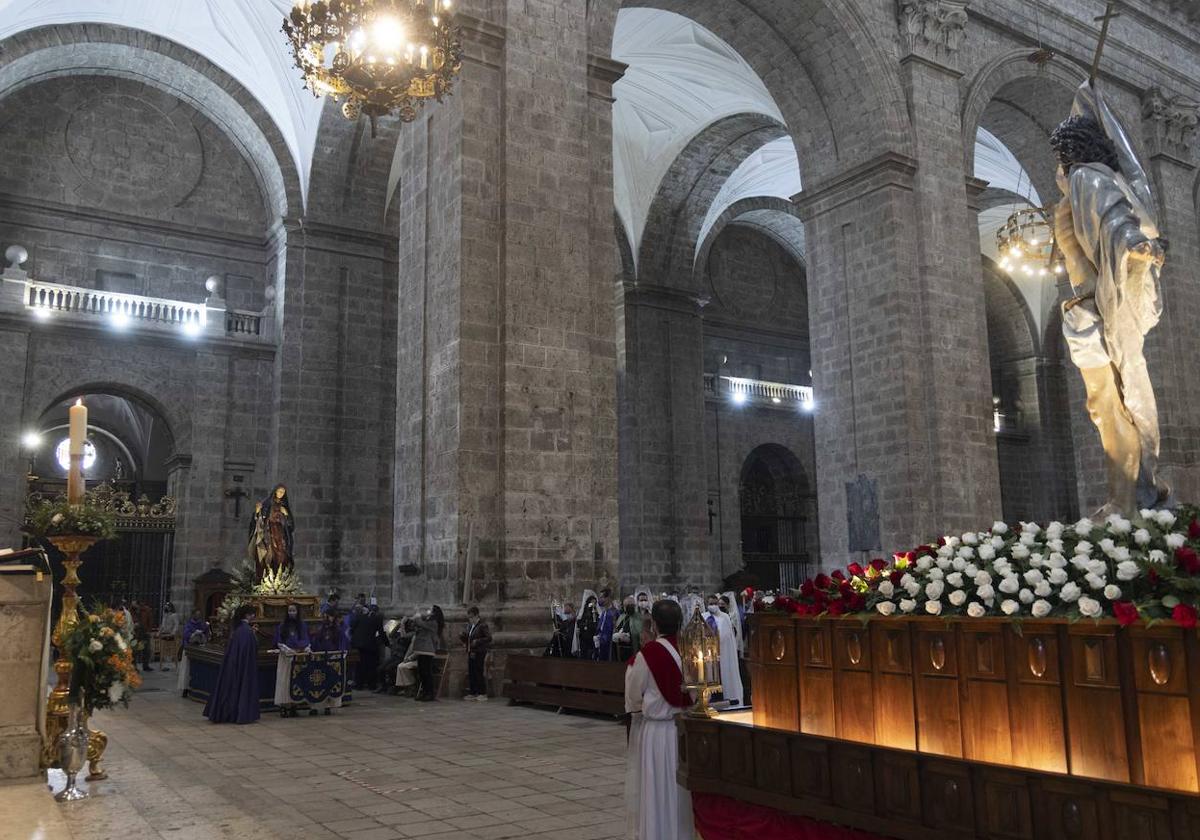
(768, 600)
(997, 543)
(886, 589)
(957, 597)
(975, 609)
(945, 550)
(924, 563)
(1036, 560)
(115, 692)
(1028, 540)
(1112, 592)
(1058, 576)
(982, 578)
(907, 580)
(1025, 596)
(934, 590)
(1080, 562)
(1098, 568)
(1057, 561)
(1010, 585)
(970, 539)
(986, 592)
(971, 570)
(95, 645)
(999, 528)
(966, 552)
(1107, 546)
(1043, 589)
(1084, 527)
(120, 641)
(1030, 527)
(1119, 524)
(952, 541)
(1141, 536)
(1175, 540)
(1090, 607)
(1095, 581)
(1170, 602)
(1070, 591)
(1040, 608)
(1055, 530)
(1020, 552)
(1164, 518)
(908, 605)
(1127, 570)
(1083, 547)
(1157, 555)
(1055, 545)
(936, 574)
(1120, 554)
(955, 579)
(959, 564)
(56, 519)
(912, 588)
(1033, 576)
(885, 607)
(933, 607)
(1009, 607)
(986, 552)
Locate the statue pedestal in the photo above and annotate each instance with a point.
(24, 625)
(272, 610)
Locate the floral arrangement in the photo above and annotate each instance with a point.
(229, 605)
(279, 582)
(103, 672)
(1146, 567)
(61, 519)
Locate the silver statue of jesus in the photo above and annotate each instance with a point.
(1107, 230)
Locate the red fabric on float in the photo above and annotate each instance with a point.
(722, 818)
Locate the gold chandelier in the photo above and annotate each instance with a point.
(1026, 244)
(381, 56)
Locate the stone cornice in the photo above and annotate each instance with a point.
(662, 297)
(932, 30)
(483, 41)
(1170, 123)
(603, 73)
(890, 169)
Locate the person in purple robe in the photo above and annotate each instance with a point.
(235, 696)
(605, 626)
(329, 635)
(292, 631)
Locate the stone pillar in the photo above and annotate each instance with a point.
(506, 430)
(899, 336)
(1170, 125)
(664, 514)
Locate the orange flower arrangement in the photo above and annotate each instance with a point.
(103, 672)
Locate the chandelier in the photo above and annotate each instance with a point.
(1026, 244)
(381, 56)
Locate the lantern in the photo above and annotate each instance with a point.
(700, 650)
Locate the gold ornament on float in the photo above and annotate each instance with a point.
(700, 650)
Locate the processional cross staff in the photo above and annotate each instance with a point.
(1104, 21)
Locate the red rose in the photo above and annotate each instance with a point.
(821, 581)
(926, 551)
(1125, 612)
(941, 542)
(1153, 576)
(1184, 615)
(836, 607)
(857, 603)
(855, 570)
(1187, 559)
(895, 577)
(878, 564)
(748, 592)
(838, 576)
(807, 589)
(1194, 530)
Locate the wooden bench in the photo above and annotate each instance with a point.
(566, 683)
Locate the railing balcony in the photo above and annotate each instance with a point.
(46, 301)
(741, 390)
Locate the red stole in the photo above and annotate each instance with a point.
(667, 674)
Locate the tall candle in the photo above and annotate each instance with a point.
(78, 425)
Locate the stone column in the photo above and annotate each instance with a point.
(506, 461)
(1170, 126)
(14, 349)
(664, 515)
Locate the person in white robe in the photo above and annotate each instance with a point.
(657, 808)
(730, 606)
(731, 677)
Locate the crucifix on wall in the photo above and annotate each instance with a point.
(237, 494)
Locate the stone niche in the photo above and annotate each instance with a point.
(24, 624)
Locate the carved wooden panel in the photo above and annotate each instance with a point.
(892, 684)
(1094, 705)
(737, 755)
(704, 749)
(815, 654)
(1136, 816)
(947, 797)
(1035, 697)
(897, 787)
(772, 763)
(852, 778)
(1003, 802)
(935, 661)
(1069, 811)
(1166, 754)
(984, 693)
(854, 710)
(852, 647)
(810, 770)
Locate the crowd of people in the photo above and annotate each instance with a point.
(602, 632)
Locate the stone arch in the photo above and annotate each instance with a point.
(352, 168)
(1022, 339)
(47, 393)
(668, 245)
(628, 266)
(811, 55)
(35, 55)
(774, 217)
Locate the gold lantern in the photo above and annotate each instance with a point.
(700, 650)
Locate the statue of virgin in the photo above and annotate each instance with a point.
(271, 531)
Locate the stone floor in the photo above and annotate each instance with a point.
(380, 768)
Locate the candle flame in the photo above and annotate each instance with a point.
(79, 401)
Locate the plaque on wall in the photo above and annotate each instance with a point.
(862, 514)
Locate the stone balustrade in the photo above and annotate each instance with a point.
(758, 392)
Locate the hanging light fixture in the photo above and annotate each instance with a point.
(1026, 244)
(380, 56)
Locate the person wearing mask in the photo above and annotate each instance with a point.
(477, 639)
(564, 632)
(400, 636)
(627, 637)
(606, 625)
(657, 808)
(583, 645)
(234, 698)
(365, 637)
(330, 604)
(429, 627)
(168, 635)
(731, 678)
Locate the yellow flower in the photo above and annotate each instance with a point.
(92, 617)
(858, 584)
(901, 561)
(107, 632)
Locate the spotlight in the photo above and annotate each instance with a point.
(776, 400)
(31, 440)
(739, 397)
(41, 313)
(192, 328)
(120, 319)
